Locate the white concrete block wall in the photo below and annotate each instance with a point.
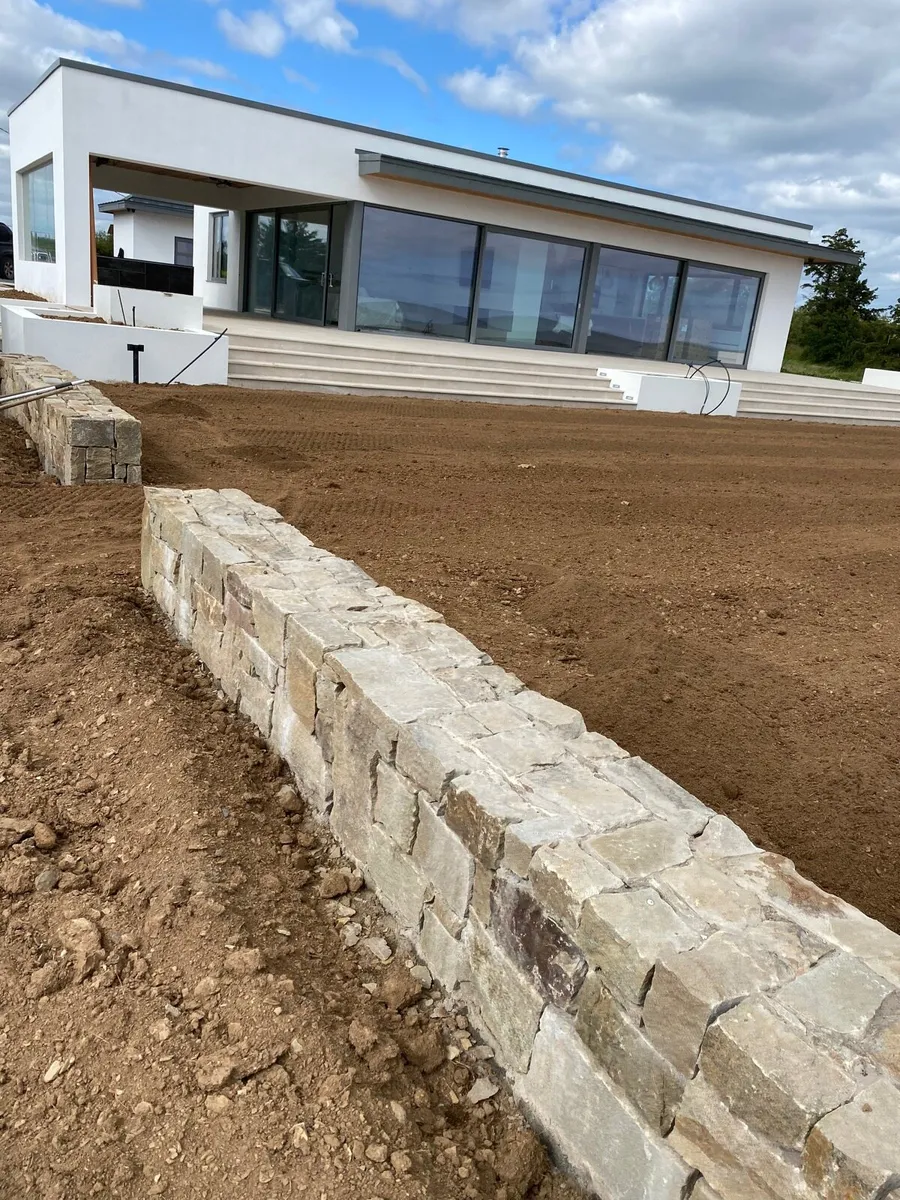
(678, 1011)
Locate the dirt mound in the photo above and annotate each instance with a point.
(200, 999)
(13, 294)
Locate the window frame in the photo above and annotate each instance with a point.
(216, 273)
(175, 262)
(26, 209)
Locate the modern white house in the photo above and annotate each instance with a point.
(299, 218)
(152, 229)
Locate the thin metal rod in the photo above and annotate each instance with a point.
(193, 360)
(51, 389)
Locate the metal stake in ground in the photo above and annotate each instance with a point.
(136, 352)
(40, 393)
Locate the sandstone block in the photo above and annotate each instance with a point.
(641, 850)
(255, 701)
(358, 746)
(431, 756)
(535, 942)
(400, 884)
(302, 753)
(498, 716)
(592, 1124)
(92, 432)
(624, 934)
(396, 806)
(518, 751)
(132, 474)
(592, 747)
(734, 1161)
(326, 700)
(883, 1037)
(689, 990)
(853, 1153)
(840, 993)
(564, 721)
(527, 837)
(393, 685)
(272, 604)
(723, 839)
(98, 465)
(440, 949)
(645, 1076)
(128, 440)
(574, 790)
(482, 888)
(657, 792)
(300, 686)
(769, 1074)
(508, 1004)
(697, 888)
(206, 607)
(444, 860)
(480, 808)
(563, 877)
(218, 555)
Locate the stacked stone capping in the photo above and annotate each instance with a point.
(80, 435)
(679, 1012)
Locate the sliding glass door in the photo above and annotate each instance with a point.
(529, 289)
(294, 263)
(715, 315)
(633, 304)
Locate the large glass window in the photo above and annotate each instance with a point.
(416, 274)
(39, 219)
(261, 261)
(716, 315)
(633, 303)
(529, 291)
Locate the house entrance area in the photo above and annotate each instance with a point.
(294, 263)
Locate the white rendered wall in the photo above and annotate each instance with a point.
(217, 293)
(211, 138)
(155, 310)
(123, 234)
(155, 234)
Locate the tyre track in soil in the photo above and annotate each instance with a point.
(219, 1028)
(717, 595)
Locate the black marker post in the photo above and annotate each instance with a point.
(136, 352)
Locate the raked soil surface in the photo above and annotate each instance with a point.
(720, 596)
(194, 997)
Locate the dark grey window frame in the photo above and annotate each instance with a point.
(686, 265)
(276, 213)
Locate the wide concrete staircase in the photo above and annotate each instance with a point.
(266, 354)
(805, 398)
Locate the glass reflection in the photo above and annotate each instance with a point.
(716, 316)
(632, 306)
(529, 291)
(40, 220)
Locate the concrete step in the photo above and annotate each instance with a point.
(367, 384)
(817, 392)
(861, 413)
(413, 374)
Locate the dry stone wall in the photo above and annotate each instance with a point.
(80, 436)
(680, 1013)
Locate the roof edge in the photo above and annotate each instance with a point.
(150, 81)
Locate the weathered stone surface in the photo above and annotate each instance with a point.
(592, 1125)
(402, 887)
(853, 1153)
(218, 555)
(702, 1191)
(518, 751)
(883, 1037)
(593, 747)
(302, 752)
(564, 721)
(574, 790)
(509, 1005)
(534, 941)
(723, 839)
(480, 807)
(624, 934)
(255, 701)
(300, 686)
(440, 949)
(272, 604)
(358, 745)
(840, 993)
(563, 877)
(482, 887)
(699, 889)
(658, 793)
(444, 860)
(524, 839)
(738, 1163)
(430, 756)
(317, 634)
(769, 1074)
(499, 716)
(641, 850)
(689, 990)
(646, 1077)
(396, 806)
(392, 684)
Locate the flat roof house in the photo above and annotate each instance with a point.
(302, 218)
(151, 229)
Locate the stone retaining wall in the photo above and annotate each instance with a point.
(679, 1012)
(80, 436)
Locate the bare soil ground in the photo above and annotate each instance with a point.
(718, 595)
(220, 1025)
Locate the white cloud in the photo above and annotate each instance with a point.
(257, 32)
(319, 22)
(203, 66)
(617, 158)
(124, 3)
(481, 22)
(506, 91)
(390, 58)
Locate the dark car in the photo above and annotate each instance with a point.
(6, 252)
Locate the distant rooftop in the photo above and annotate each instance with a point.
(146, 204)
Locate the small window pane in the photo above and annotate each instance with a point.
(529, 291)
(39, 218)
(716, 315)
(416, 274)
(632, 305)
(218, 243)
(184, 252)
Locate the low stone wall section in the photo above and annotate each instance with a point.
(679, 1012)
(80, 435)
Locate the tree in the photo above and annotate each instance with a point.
(838, 314)
(105, 240)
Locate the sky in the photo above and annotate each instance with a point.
(788, 107)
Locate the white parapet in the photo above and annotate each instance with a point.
(676, 394)
(93, 349)
(882, 379)
(154, 310)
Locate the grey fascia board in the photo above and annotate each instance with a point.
(173, 208)
(499, 163)
(386, 166)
